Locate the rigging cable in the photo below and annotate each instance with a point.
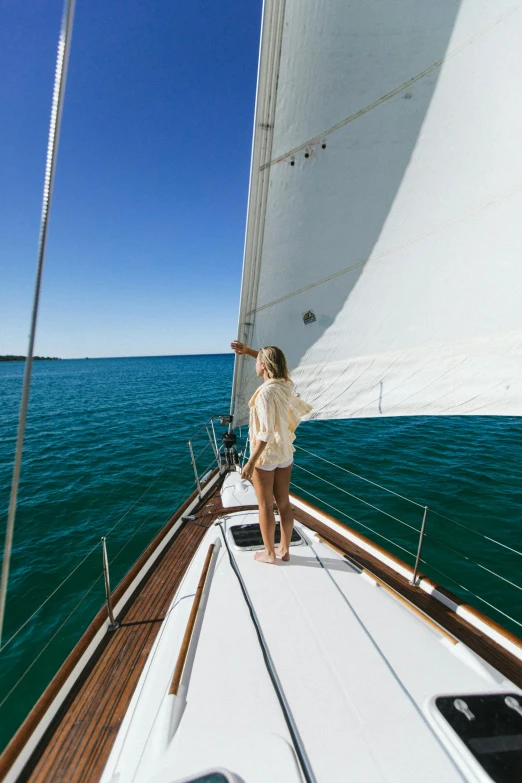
(338, 511)
(50, 168)
(89, 553)
(409, 500)
(55, 634)
(356, 497)
(391, 492)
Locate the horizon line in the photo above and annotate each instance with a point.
(140, 356)
(147, 356)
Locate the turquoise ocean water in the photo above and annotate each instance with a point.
(106, 448)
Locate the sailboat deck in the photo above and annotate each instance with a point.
(358, 700)
(489, 650)
(80, 738)
(78, 743)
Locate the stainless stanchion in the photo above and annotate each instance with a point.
(113, 624)
(419, 550)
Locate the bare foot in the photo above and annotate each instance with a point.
(264, 557)
(284, 554)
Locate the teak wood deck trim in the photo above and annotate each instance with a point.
(77, 744)
(454, 624)
(103, 690)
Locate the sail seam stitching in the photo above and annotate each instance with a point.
(392, 93)
(391, 250)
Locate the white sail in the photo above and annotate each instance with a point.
(385, 205)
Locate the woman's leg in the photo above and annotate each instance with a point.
(282, 499)
(263, 481)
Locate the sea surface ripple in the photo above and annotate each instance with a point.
(106, 447)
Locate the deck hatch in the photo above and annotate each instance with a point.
(490, 725)
(248, 536)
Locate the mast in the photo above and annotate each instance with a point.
(264, 120)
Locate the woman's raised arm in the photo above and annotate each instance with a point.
(240, 347)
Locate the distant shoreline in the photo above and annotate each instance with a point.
(11, 358)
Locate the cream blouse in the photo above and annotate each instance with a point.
(275, 413)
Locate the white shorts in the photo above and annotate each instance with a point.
(273, 467)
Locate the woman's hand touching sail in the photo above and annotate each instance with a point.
(241, 348)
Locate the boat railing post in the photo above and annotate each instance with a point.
(419, 549)
(112, 622)
(195, 468)
(216, 447)
(211, 441)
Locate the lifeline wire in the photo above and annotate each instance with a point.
(391, 492)
(55, 634)
(389, 540)
(89, 553)
(477, 533)
(356, 497)
(428, 535)
(466, 589)
(2, 648)
(50, 167)
(361, 477)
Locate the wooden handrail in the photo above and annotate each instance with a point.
(178, 671)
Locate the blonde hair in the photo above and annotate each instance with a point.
(275, 362)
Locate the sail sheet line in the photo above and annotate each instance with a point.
(392, 93)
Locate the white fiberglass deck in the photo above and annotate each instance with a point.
(358, 669)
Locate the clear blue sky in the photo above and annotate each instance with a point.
(147, 225)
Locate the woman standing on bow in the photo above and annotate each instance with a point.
(275, 412)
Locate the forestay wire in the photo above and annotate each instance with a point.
(50, 167)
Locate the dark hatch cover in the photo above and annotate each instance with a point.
(490, 725)
(249, 535)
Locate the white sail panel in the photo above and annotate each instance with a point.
(385, 202)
